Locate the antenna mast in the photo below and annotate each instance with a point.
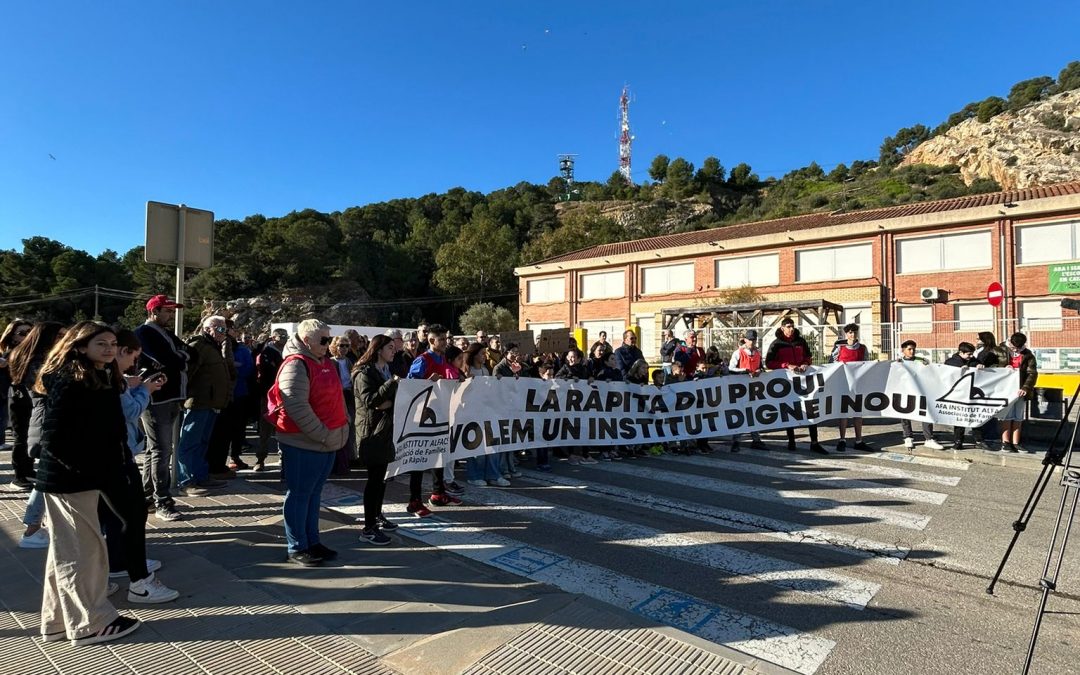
(625, 139)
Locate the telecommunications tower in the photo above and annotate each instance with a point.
(625, 139)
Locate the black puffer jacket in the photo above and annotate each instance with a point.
(83, 435)
(374, 427)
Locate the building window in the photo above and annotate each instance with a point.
(537, 327)
(603, 285)
(974, 317)
(755, 270)
(613, 327)
(968, 250)
(916, 319)
(838, 262)
(545, 290)
(667, 279)
(1054, 242)
(646, 324)
(1036, 315)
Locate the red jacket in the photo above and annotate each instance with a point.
(784, 352)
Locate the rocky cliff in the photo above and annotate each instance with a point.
(1036, 145)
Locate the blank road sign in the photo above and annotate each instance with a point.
(162, 232)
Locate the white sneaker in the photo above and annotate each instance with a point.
(499, 482)
(909, 442)
(150, 591)
(588, 460)
(151, 567)
(477, 483)
(933, 445)
(39, 539)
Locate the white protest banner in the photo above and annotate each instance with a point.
(493, 415)
(421, 424)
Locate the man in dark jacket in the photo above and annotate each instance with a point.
(789, 351)
(162, 350)
(1022, 360)
(668, 344)
(209, 391)
(267, 364)
(628, 353)
(963, 358)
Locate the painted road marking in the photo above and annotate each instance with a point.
(834, 482)
(750, 634)
(802, 501)
(890, 471)
(821, 583)
(730, 519)
(958, 464)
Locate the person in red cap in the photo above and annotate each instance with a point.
(162, 351)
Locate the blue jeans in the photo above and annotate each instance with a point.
(483, 467)
(35, 508)
(195, 433)
(305, 473)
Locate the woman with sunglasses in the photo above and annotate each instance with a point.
(307, 408)
(12, 336)
(83, 448)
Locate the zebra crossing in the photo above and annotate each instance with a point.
(759, 552)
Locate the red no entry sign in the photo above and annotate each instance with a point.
(994, 294)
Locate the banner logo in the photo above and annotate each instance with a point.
(964, 392)
(424, 421)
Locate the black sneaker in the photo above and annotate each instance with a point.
(982, 445)
(22, 485)
(734, 446)
(120, 626)
(862, 445)
(818, 448)
(759, 445)
(1020, 448)
(1009, 447)
(385, 524)
(374, 536)
(324, 552)
(841, 445)
(305, 559)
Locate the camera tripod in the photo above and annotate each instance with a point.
(1070, 497)
(1053, 459)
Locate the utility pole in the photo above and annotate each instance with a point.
(97, 314)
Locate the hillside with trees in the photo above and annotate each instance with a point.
(432, 257)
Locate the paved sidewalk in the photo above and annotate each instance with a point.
(406, 608)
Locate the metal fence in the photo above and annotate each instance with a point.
(1054, 341)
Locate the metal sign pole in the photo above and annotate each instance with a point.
(180, 246)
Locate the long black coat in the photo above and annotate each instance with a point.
(374, 427)
(83, 436)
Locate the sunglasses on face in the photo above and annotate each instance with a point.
(325, 340)
(220, 329)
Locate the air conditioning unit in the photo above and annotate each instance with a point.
(931, 294)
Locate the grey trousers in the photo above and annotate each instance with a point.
(159, 423)
(927, 430)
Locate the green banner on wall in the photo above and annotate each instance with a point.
(1065, 278)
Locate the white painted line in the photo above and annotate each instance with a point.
(747, 633)
(823, 584)
(734, 520)
(802, 501)
(890, 471)
(958, 464)
(834, 482)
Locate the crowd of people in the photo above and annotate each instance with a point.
(100, 415)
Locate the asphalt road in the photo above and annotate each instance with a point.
(851, 563)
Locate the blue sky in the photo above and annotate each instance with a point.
(268, 107)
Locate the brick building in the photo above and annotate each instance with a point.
(877, 264)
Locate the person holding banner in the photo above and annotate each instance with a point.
(850, 350)
(431, 365)
(1022, 360)
(747, 360)
(575, 370)
(907, 354)
(963, 358)
(789, 351)
(374, 387)
(628, 353)
(689, 354)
